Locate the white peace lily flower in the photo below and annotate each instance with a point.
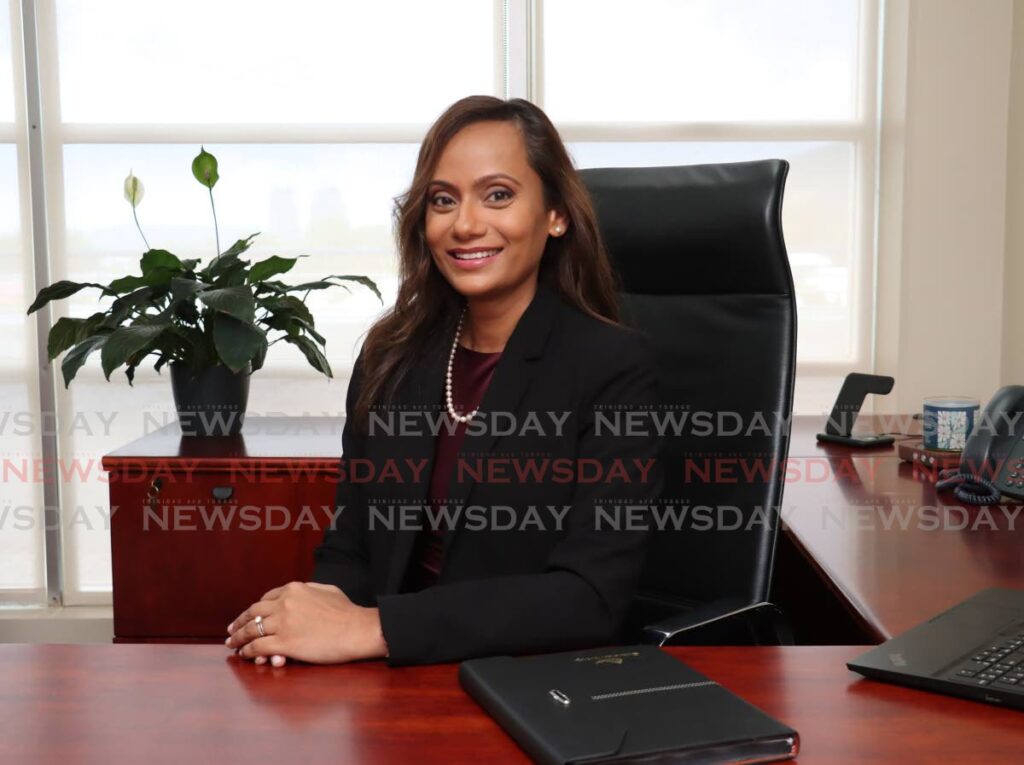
(133, 190)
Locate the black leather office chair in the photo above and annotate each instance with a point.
(706, 276)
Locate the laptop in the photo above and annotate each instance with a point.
(974, 650)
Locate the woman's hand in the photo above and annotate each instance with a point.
(308, 621)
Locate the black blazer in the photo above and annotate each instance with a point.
(514, 580)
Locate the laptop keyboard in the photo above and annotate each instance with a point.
(999, 664)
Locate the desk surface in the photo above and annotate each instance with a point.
(194, 704)
(893, 549)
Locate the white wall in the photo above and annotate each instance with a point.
(942, 214)
(1013, 285)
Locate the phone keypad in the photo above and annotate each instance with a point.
(1015, 472)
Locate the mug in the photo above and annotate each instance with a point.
(948, 421)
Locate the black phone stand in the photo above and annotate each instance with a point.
(839, 429)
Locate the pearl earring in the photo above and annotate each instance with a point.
(558, 229)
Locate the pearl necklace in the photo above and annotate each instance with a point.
(448, 377)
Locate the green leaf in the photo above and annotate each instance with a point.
(204, 168)
(126, 284)
(233, 275)
(364, 280)
(154, 259)
(182, 289)
(304, 287)
(159, 267)
(91, 326)
(190, 338)
(69, 331)
(323, 284)
(235, 301)
(237, 342)
(124, 342)
(181, 304)
(287, 304)
(77, 356)
(313, 355)
(240, 246)
(217, 267)
(121, 308)
(60, 290)
(285, 322)
(259, 358)
(273, 265)
(187, 312)
(62, 336)
(160, 277)
(227, 259)
(308, 326)
(291, 315)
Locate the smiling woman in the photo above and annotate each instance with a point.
(487, 233)
(506, 306)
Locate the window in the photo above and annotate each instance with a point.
(315, 116)
(315, 112)
(672, 82)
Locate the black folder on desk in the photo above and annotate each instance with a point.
(622, 705)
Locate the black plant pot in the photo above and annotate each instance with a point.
(213, 402)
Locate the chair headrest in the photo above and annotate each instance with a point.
(696, 229)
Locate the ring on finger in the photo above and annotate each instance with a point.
(259, 626)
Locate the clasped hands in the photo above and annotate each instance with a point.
(310, 622)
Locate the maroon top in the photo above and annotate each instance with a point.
(471, 373)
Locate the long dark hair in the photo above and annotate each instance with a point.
(576, 264)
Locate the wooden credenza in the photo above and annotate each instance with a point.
(202, 527)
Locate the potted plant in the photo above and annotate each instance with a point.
(210, 323)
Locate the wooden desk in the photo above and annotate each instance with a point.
(179, 704)
(892, 550)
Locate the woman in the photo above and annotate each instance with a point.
(491, 383)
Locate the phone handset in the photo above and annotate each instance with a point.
(992, 463)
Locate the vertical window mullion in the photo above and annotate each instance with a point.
(13, 134)
(518, 18)
(53, 549)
